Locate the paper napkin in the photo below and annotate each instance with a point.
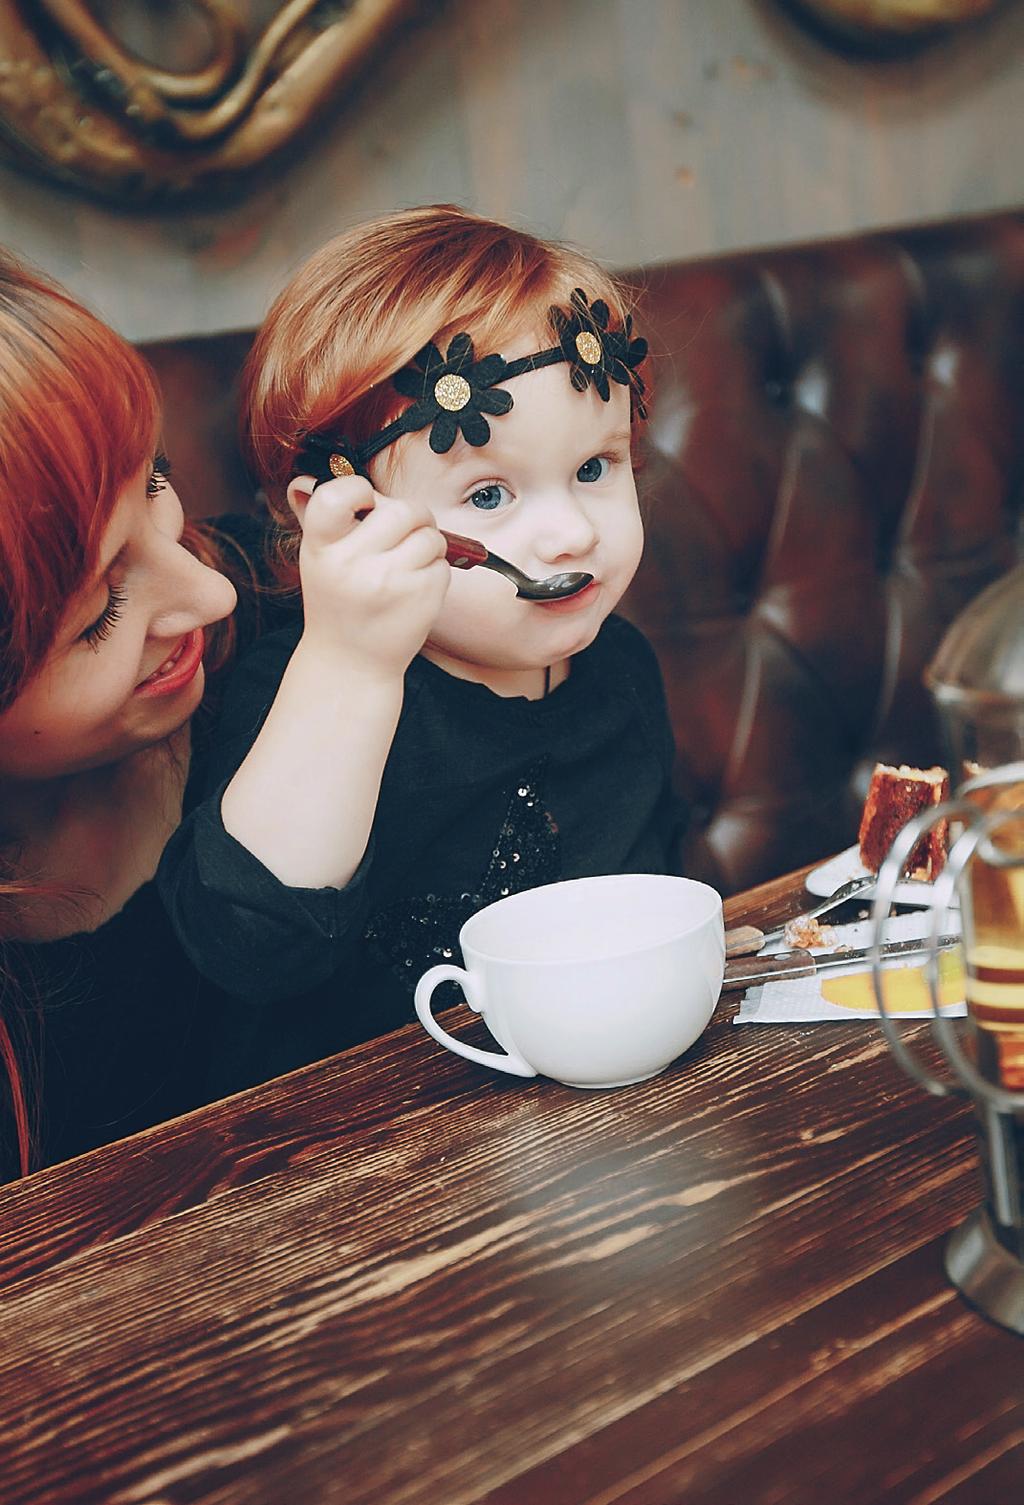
(847, 992)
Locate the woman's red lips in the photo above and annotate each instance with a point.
(178, 669)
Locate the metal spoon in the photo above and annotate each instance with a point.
(846, 891)
(747, 939)
(465, 553)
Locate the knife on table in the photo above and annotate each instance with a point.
(749, 971)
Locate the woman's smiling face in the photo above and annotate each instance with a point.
(125, 669)
(552, 490)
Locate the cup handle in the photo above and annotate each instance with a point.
(509, 1062)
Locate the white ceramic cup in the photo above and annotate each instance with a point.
(597, 982)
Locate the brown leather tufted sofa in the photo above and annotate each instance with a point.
(834, 467)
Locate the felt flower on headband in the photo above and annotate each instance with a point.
(326, 458)
(452, 393)
(595, 352)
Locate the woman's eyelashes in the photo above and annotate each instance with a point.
(100, 630)
(160, 476)
(104, 623)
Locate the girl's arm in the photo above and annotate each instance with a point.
(243, 928)
(304, 798)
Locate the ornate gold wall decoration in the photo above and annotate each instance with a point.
(77, 105)
(875, 25)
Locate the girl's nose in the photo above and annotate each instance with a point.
(190, 594)
(566, 531)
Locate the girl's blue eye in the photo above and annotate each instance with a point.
(594, 469)
(487, 498)
(104, 623)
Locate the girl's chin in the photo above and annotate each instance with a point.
(499, 670)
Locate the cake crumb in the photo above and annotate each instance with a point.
(806, 934)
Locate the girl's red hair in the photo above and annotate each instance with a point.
(363, 305)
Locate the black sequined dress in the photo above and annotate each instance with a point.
(482, 796)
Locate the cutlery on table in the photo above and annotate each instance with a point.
(743, 940)
(746, 939)
(749, 972)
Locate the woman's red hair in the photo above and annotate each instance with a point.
(79, 417)
(363, 305)
(79, 412)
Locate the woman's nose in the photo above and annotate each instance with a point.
(566, 531)
(191, 595)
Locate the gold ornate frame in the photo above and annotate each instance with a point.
(79, 107)
(880, 25)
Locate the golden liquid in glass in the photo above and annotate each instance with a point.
(993, 915)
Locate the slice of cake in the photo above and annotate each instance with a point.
(894, 796)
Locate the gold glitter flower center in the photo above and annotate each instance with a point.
(452, 393)
(339, 466)
(589, 347)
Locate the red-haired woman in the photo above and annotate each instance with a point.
(104, 611)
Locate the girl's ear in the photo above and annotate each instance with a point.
(300, 489)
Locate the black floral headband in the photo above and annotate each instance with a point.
(454, 393)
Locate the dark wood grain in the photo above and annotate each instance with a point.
(393, 1277)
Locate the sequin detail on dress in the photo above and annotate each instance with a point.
(414, 934)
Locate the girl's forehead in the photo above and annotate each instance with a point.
(550, 423)
(511, 340)
(458, 393)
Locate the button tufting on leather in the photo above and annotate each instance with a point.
(807, 539)
(829, 510)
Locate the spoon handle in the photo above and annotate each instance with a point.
(464, 553)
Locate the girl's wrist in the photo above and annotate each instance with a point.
(331, 662)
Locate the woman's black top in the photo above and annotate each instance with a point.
(115, 1030)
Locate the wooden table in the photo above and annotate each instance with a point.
(395, 1277)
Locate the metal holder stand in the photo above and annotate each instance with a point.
(986, 1274)
(985, 1256)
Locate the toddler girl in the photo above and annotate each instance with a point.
(428, 740)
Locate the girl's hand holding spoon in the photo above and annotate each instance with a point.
(373, 572)
(372, 589)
